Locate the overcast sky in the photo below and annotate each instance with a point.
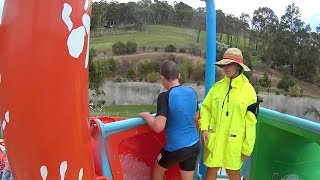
(309, 9)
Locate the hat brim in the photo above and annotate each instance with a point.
(223, 62)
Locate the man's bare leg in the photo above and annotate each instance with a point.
(158, 172)
(233, 174)
(212, 173)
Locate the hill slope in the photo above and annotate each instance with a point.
(157, 36)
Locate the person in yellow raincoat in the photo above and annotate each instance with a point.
(228, 128)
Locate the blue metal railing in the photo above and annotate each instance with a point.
(292, 120)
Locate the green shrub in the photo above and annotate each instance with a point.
(194, 49)
(119, 79)
(182, 79)
(294, 91)
(92, 70)
(198, 72)
(148, 67)
(101, 71)
(131, 47)
(247, 58)
(111, 66)
(316, 80)
(170, 48)
(131, 73)
(152, 77)
(172, 57)
(119, 48)
(248, 74)
(221, 49)
(265, 81)
(285, 83)
(182, 50)
(186, 69)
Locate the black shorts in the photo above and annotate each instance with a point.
(186, 157)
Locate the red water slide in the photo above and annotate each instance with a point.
(44, 88)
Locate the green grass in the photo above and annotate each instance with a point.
(154, 36)
(128, 111)
(158, 36)
(244, 42)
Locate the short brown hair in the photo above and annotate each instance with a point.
(169, 70)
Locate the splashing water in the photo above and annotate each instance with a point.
(290, 177)
(133, 169)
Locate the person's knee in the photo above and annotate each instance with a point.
(232, 172)
(213, 169)
(158, 172)
(158, 168)
(186, 175)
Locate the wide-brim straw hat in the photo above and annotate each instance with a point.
(232, 55)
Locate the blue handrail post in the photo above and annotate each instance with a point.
(211, 44)
(210, 60)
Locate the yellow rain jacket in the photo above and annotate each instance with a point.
(232, 129)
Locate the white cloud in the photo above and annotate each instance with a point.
(308, 8)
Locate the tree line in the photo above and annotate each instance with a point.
(285, 43)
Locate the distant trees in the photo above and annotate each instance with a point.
(293, 47)
(264, 22)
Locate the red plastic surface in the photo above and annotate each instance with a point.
(132, 154)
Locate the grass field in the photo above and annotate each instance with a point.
(156, 36)
(128, 111)
(153, 36)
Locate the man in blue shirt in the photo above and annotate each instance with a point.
(177, 111)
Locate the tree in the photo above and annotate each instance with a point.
(161, 12)
(99, 10)
(244, 25)
(318, 29)
(144, 3)
(264, 20)
(143, 15)
(199, 21)
(292, 23)
(183, 13)
(220, 23)
(305, 68)
(231, 27)
(291, 18)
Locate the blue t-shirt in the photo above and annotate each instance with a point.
(179, 106)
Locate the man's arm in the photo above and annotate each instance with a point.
(157, 124)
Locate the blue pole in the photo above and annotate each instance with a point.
(210, 60)
(211, 45)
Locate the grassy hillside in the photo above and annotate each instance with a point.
(243, 42)
(154, 36)
(160, 36)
